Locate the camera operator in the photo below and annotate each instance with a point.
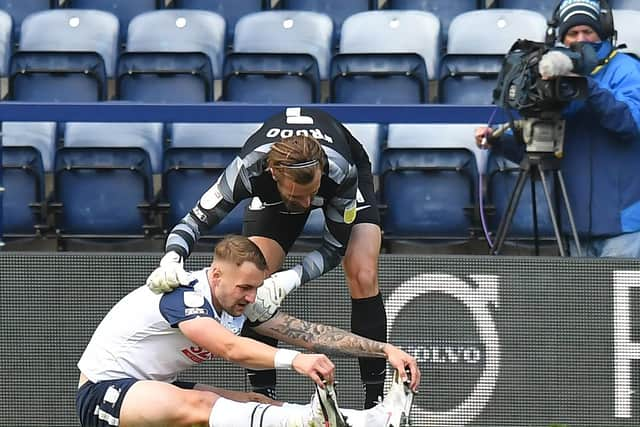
(601, 162)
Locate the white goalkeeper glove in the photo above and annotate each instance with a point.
(271, 294)
(553, 64)
(169, 275)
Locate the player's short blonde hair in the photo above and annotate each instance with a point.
(239, 249)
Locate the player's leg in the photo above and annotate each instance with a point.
(151, 403)
(368, 315)
(158, 403)
(274, 232)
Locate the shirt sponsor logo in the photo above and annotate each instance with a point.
(194, 311)
(197, 354)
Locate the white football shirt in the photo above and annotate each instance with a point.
(139, 337)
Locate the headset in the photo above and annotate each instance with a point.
(606, 23)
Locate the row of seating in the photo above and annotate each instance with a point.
(136, 180)
(279, 56)
(232, 10)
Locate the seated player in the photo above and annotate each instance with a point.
(128, 372)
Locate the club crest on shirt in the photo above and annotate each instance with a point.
(193, 299)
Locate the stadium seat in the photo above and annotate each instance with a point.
(6, 46)
(196, 156)
(393, 31)
(27, 155)
(147, 136)
(103, 180)
(545, 7)
(445, 10)
(20, 9)
(493, 31)
(468, 79)
(429, 182)
(370, 135)
(502, 175)
(628, 28)
(172, 56)
(39, 135)
(624, 4)
(125, 10)
(282, 31)
(379, 78)
(230, 10)
(338, 10)
(279, 78)
(70, 61)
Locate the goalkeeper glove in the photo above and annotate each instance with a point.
(271, 294)
(169, 275)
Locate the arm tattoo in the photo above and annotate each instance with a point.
(320, 338)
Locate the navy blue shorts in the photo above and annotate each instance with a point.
(98, 404)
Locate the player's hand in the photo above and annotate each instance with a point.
(553, 64)
(270, 295)
(482, 135)
(169, 275)
(318, 367)
(403, 361)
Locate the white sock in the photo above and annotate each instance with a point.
(229, 413)
(368, 418)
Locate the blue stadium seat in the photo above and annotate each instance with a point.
(279, 78)
(147, 136)
(379, 78)
(103, 180)
(626, 24)
(502, 175)
(39, 135)
(493, 31)
(468, 79)
(70, 61)
(22, 202)
(393, 31)
(624, 4)
(196, 156)
(230, 10)
(125, 10)
(338, 10)
(282, 31)
(172, 56)
(370, 135)
(545, 7)
(20, 9)
(445, 10)
(6, 45)
(27, 155)
(429, 182)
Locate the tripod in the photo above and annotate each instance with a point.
(544, 142)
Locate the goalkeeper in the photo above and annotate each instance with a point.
(300, 159)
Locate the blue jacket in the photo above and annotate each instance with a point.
(601, 163)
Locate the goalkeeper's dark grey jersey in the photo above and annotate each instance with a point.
(248, 176)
